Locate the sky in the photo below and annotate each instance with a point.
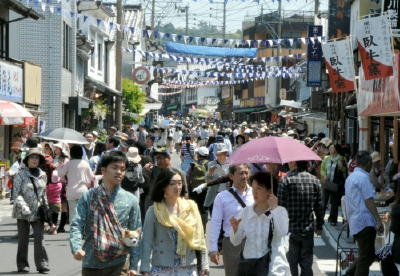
(167, 11)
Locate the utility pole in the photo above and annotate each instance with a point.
(224, 20)
(153, 13)
(187, 20)
(316, 7)
(118, 68)
(279, 80)
(187, 28)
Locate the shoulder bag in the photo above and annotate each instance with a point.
(43, 211)
(260, 266)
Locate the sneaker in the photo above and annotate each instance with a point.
(23, 270)
(43, 270)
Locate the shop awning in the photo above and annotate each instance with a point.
(102, 87)
(14, 114)
(249, 109)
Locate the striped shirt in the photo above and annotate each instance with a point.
(187, 151)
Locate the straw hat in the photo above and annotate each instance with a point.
(326, 142)
(133, 155)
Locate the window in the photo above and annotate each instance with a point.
(67, 32)
(93, 55)
(99, 56)
(3, 39)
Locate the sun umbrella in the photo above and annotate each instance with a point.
(271, 149)
(65, 135)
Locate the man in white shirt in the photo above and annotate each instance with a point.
(227, 206)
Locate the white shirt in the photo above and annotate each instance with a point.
(255, 228)
(204, 134)
(225, 207)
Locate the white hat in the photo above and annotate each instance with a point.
(203, 151)
(291, 132)
(221, 147)
(95, 133)
(375, 157)
(133, 155)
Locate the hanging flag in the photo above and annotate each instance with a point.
(375, 47)
(338, 56)
(314, 58)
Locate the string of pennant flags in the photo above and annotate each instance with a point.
(237, 75)
(150, 34)
(233, 82)
(170, 93)
(210, 61)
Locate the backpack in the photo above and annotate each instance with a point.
(131, 181)
(198, 174)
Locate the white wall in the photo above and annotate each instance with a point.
(206, 91)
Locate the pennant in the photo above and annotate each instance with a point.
(339, 62)
(375, 47)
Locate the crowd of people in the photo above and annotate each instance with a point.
(262, 217)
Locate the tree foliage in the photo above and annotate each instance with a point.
(133, 99)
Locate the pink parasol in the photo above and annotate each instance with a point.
(277, 150)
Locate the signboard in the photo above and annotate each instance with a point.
(370, 7)
(393, 9)
(154, 91)
(375, 48)
(141, 75)
(257, 101)
(226, 92)
(11, 82)
(314, 57)
(379, 96)
(339, 61)
(339, 18)
(282, 93)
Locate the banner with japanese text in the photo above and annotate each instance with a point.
(338, 56)
(378, 97)
(314, 57)
(375, 47)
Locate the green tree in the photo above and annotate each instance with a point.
(133, 99)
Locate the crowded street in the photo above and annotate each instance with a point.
(57, 246)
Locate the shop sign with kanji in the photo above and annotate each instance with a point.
(375, 47)
(339, 61)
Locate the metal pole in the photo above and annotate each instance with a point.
(187, 20)
(153, 13)
(224, 21)
(118, 69)
(187, 29)
(279, 79)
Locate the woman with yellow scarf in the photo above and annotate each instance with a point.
(173, 236)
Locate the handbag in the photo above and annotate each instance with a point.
(260, 266)
(43, 211)
(331, 186)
